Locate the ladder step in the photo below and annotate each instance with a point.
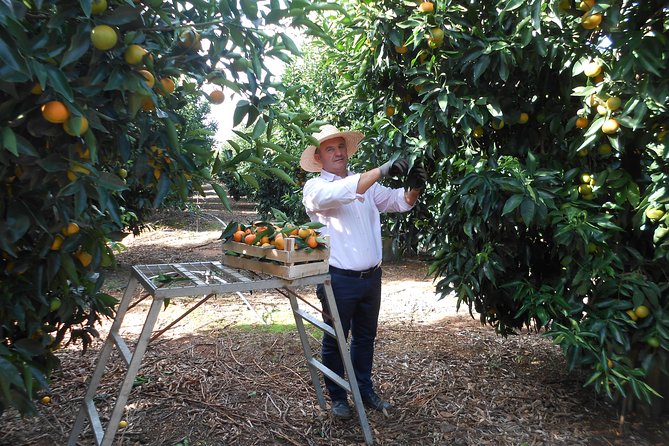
(313, 321)
(94, 417)
(341, 382)
(122, 347)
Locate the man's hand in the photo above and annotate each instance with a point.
(394, 168)
(416, 179)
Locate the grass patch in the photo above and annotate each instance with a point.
(187, 219)
(275, 328)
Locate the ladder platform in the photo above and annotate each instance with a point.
(166, 281)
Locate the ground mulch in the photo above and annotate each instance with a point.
(235, 374)
(451, 383)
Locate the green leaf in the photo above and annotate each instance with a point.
(92, 143)
(648, 61)
(120, 15)
(240, 157)
(9, 374)
(222, 194)
(595, 126)
(79, 45)
(39, 377)
(536, 16)
(250, 9)
(282, 175)
(86, 7)
(172, 136)
(198, 149)
(481, 66)
(240, 112)
(134, 104)
(28, 347)
(259, 128)
(9, 57)
(111, 182)
(512, 203)
(288, 42)
(117, 81)
(587, 141)
(503, 67)
(17, 222)
(163, 187)
(313, 225)
(67, 264)
(229, 230)
(633, 193)
(59, 82)
(9, 140)
(250, 180)
(527, 210)
(660, 195)
(513, 4)
(443, 100)
(279, 215)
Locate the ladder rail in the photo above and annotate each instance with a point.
(94, 417)
(123, 349)
(103, 358)
(131, 372)
(335, 330)
(308, 354)
(341, 382)
(325, 328)
(346, 359)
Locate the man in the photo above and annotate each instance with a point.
(349, 205)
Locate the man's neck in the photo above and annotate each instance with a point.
(343, 174)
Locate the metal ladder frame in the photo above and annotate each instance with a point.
(88, 411)
(337, 332)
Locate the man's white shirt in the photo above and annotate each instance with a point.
(352, 220)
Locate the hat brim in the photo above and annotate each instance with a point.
(308, 161)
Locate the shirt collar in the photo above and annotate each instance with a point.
(329, 176)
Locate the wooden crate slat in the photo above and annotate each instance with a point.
(275, 269)
(287, 264)
(278, 255)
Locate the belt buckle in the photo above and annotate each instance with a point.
(367, 273)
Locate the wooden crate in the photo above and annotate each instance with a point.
(286, 263)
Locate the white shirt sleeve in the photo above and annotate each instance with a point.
(320, 194)
(389, 200)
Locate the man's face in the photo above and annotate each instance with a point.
(332, 155)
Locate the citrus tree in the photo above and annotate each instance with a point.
(95, 134)
(312, 97)
(542, 125)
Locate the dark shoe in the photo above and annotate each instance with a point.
(373, 401)
(341, 409)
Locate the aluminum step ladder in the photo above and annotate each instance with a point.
(349, 382)
(167, 281)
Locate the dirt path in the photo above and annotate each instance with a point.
(235, 374)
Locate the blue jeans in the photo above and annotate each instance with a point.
(358, 302)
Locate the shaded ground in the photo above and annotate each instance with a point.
(232, 374)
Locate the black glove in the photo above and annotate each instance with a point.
(416, 179)
(394, 168)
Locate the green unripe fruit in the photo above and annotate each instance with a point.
(55, 304)
(654, 214)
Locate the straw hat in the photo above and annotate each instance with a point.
(307, 160)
